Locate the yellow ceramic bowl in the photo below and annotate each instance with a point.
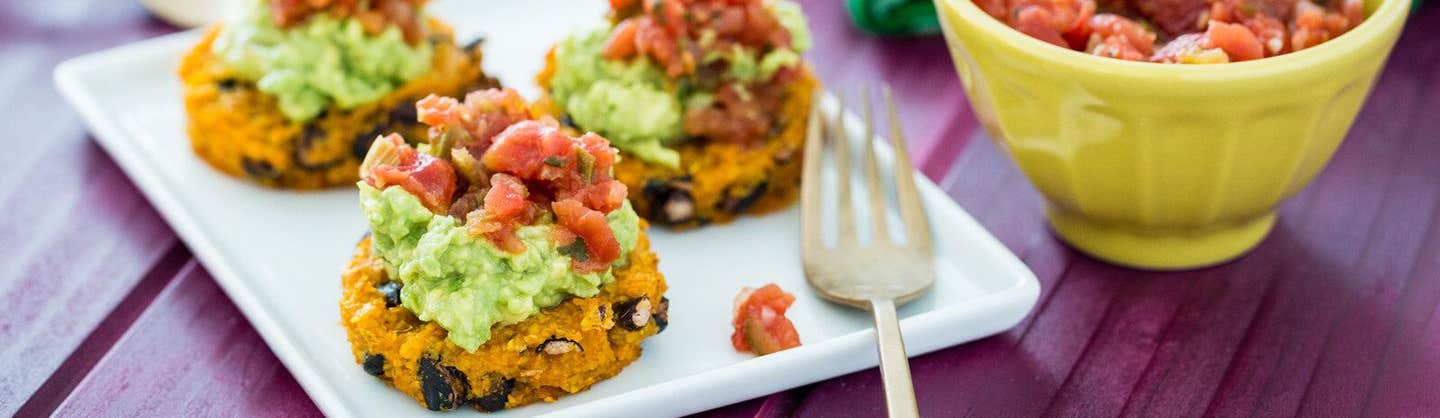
(1165, 166)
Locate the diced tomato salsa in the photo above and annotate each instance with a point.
(669, 31)
(428, 178)
(1180, 31)
(374, 15)
(510, 168)
(760, 323)
(684, 37)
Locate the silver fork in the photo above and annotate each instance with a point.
(883, 274)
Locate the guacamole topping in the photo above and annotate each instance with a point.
(639, 105)
(321, 61)
(467, 284)
(628, 102)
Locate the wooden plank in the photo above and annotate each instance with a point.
(1335, 314)
(69, 373)
(77, 236)
(190, 354)
(1335, 319)
(926, 88)
(1408, 372)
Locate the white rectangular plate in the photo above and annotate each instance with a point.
(278, 254)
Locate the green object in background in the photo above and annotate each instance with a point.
(894, 17)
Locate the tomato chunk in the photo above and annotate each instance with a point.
(525, 166)
(506, 208)
(577, 168)
(1118, 37)
(573, 173)
(760, 323)
(590, 227)
(517, 150)
(482, 115)
(1315, 24)
(1236, 40)
(1060, 22)
(428, 178)
(506, 197)
(668, 32)
(621, 44)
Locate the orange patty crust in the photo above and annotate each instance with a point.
(561, 350)
(240, 131)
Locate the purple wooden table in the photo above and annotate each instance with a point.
(1334, 315)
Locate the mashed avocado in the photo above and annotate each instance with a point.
(627, 102)
(744, 67)
(466, 284)
(319, 62)
(635, 105)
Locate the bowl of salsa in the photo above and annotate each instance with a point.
(1163, 133)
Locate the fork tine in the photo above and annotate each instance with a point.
(810, 184)
(840, 137)
(880, 232)
(917, 228)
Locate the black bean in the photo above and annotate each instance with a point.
(498, 395)
(259, 169)
(404, 113)
(374, 364)
(391, 290)
(653, 189)
(312, 134)
(484, 82)
(633, 314)
(662, 314)
(737, 205)
(558, 346)
(475, 44)
(362, 143)
(300, 152)
(670, 201)
(444, 388)
(228, 84)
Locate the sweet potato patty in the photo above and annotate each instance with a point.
(561, 350)
(240, 131)
(716, 180)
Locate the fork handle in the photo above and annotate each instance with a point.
(894, 366)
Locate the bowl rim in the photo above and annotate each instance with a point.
(1390, 14)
